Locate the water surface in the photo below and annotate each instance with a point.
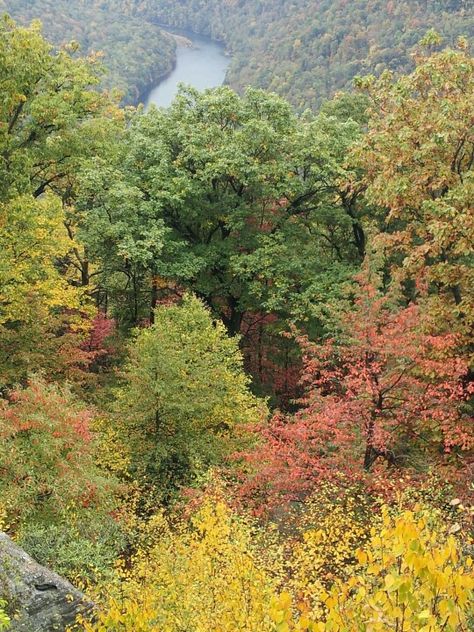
(202, 66)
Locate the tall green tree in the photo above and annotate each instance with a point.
(184, 396)
(235, 198)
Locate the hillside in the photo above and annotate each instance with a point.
(306, 50)
(136, 52)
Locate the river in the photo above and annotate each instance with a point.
(202, 66)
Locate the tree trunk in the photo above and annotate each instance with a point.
(154, 298)
(233, 319)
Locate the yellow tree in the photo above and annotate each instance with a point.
(413, 576)
(33, 293)
(202, 575)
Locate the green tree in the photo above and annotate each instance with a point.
(184, 397)
(51, 115)
(235, 198)
(123, 234)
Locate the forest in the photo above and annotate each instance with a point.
(236, 340)
(135, 52)
(305, 50)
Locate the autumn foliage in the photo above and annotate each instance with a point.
(387, 394)
(412, 577)
(236, 380)
(47, 457)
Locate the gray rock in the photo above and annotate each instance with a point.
(38, 600)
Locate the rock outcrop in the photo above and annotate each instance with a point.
(38, 600)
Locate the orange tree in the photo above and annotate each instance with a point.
(418, 157)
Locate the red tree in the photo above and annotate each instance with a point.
(84, 352)
(388, 393)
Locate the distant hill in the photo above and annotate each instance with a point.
(305, 50)
(308, 49)
(136, 52)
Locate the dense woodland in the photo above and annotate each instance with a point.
(135, 52)
(305, 50)
(236, 359)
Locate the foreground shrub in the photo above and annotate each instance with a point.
(413, 577)
(203, 576)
